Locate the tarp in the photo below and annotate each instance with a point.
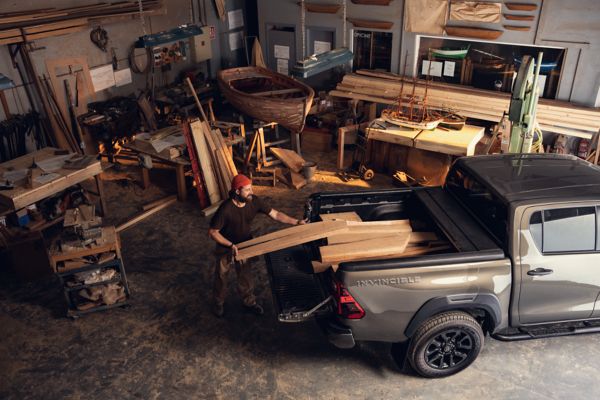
(425, 16)
(475, 11)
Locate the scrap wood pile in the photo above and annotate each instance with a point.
(348, 239)
(383, 87)
(25, 26)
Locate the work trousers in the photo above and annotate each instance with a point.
(245, 281)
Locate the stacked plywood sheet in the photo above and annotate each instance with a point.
(552, 115)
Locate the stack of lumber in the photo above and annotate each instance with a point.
(294, 162)
(552, 115)
(348, 239)
(23, 26)
(215, 160)
(374, 240)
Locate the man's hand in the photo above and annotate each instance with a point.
(234, 251)
(301, 222)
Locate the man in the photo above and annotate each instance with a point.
(230, 226)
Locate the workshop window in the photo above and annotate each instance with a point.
(564, 229)
(486, 65)
(372, 50)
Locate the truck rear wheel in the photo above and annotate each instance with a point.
(445, 344)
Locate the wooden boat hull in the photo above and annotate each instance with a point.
(521, 6)
(423, 125)
(367, 23)
(322, 8)
(267, 96)
(477, 33)
(514, 17)
(451, 54)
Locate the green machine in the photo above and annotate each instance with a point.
(523, 105)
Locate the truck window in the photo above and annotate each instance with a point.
(564, 229)
(478, 199)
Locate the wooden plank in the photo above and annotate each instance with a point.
(341, 216)
(291, 237)
(220, 173)
(220, 141)
(377, 247)
(297, 181)
(209, 211)
(402, 224)
(294, 230)
(158, 202)
(290, 158)
(366, 234)
(212, 186)
(144, 215)
(55, 25)
(459, 143)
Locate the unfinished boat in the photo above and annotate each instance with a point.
(267, 95)
(470, 32)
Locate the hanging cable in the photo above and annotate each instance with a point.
(141, 8)
(303, 27)
(344, 33)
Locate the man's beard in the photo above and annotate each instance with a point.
(241, 199)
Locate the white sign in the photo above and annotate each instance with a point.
(123, 77)
(102, 77)
(282, 52)
(435, 70)
(235, 40)
(449, 68)
(322, 47)
(282, 66)
(235, 18)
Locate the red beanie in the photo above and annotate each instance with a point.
(240, 181)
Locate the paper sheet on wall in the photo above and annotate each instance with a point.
(322, 47)
(282, 66)
(102, 77)
(282, 52)
(235, 40)
(235, 18)
(449, 68)
(435, 70)
(123, 77)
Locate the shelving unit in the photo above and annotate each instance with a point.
(76, 304)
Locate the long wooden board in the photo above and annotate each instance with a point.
(341, 216)
(208, 171)
(289, 158)
(317, 230)
(294, 230)
(377, 247)
(359, 237)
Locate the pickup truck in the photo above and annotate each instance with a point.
(525, 248)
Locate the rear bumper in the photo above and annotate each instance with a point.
(339, 335)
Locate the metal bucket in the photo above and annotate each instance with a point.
(308, 169)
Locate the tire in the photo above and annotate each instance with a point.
(445, 344)
(368, 175)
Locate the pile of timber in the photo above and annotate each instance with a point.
(383, 87)
(24, 26)
(215, 161)
(348, 239)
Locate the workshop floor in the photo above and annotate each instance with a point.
(168, 345)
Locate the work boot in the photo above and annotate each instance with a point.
(255, 309)
(218, 310)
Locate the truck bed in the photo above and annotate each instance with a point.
(296, 287)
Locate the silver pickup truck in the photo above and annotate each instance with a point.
(525, 236)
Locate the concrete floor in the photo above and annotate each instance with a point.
(168, 345)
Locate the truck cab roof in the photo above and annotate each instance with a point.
(522, 177)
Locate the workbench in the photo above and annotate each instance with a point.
(445, 141)
(43, 184)
(180, 164)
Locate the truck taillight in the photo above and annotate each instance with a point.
(347, 306)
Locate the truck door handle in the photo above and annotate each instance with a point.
(540, 271)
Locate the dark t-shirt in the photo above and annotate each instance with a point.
(234, 222)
